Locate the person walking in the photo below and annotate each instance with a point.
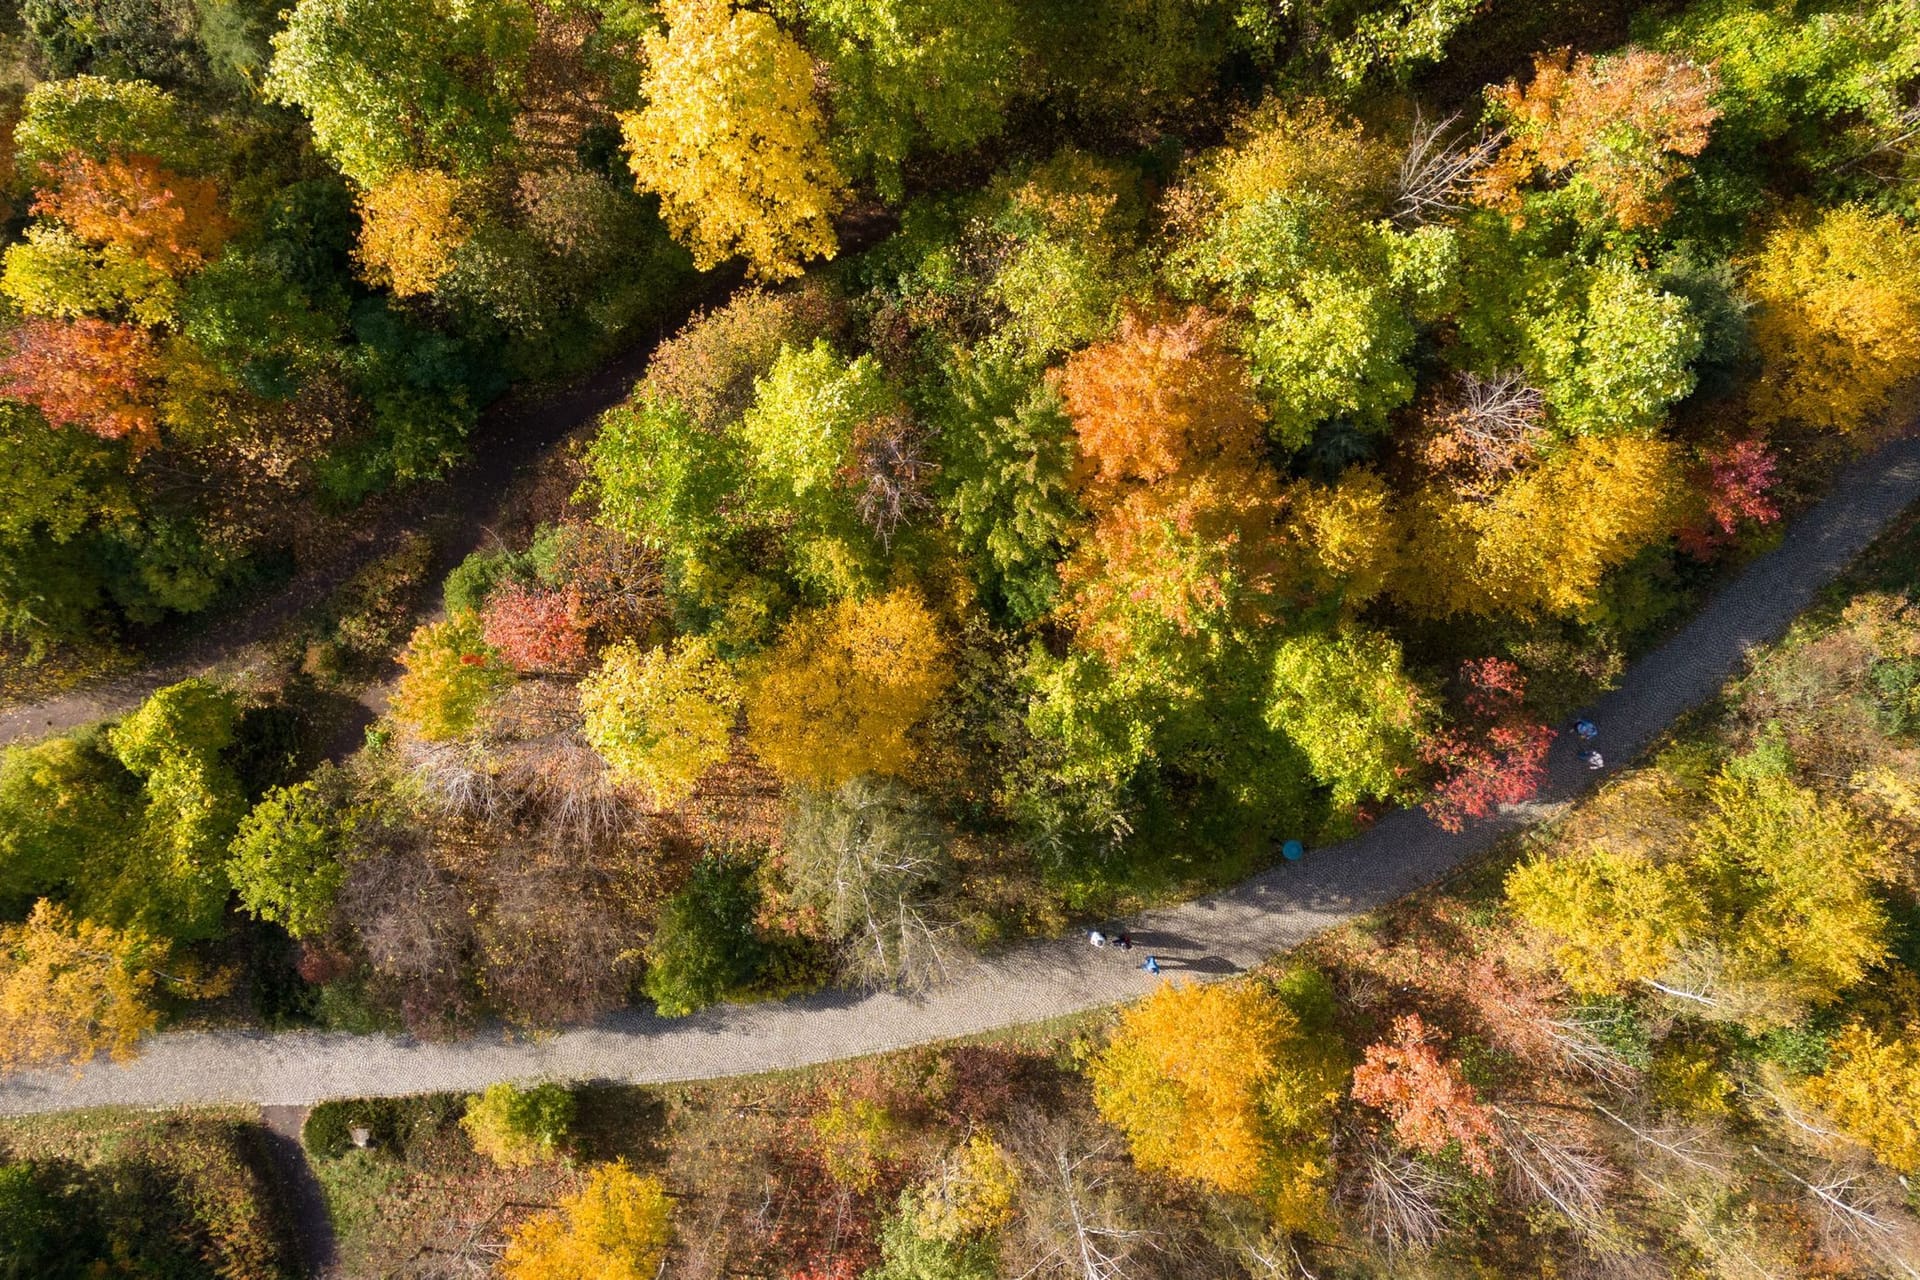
(1587, 730)
(1097, 938)
(1152, 964)
(1595, 761)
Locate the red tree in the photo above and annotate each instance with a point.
(536, 629)
(1427, 1097)
(1734, 481)
(1499, 757)
(85, 373)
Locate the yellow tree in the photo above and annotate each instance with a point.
(1871, 1089)
(1610, 918)
(1838, 321)
(70, 988)
(1205, 1081)
(1348, 534)
(411, 225)
(617, 1227)
(1543, 542)
(844, 685)
(661, 718)
(732, 140)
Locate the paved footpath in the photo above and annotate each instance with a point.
(1221, 934)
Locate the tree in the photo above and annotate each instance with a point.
(732, 140)
(450, 672)
(170, 223)
(1006, 472)
(865, 860)
(86, 373)
(704, 946)
(1871, 1090)
(1158, 400)
(906, 73)
(535, 629)
(176, 882)
(70, 989)
(285, 861)
(662, 476)
(617, 1227)
(65, 805)
(1613, 352)
(1838, 320)
(391, 85)
(1733, 483)
(97, 116)
(1498, 757)
(412, 225)
(1618, 129)
(1205, 1081)
(1612, 919)
(1345, 701)
(973, 1193)
(1546, 538)
(53, 273)
(661, 718)
(1348, 534)
(1428, 1099)
(843, 687)
(515, 1127)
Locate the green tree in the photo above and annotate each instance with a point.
(910, 73)
(175, 884)
(98, 117)
(405, 84)
(663, 478)
(515, 1127)
(66, 806)
(1346, 702)
(704, 946)
(661, 718)
(286, 860)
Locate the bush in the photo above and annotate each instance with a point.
(474, 578)
(704, 946)
(515, 1127)
(285, 860)
(450, 672)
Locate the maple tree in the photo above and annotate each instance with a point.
(1158, 400)
(1498, 757)
(616, 1227)
(1618, 129)
(732, 140)
(1428, 1099)
(1732, 483)
(87, 373)
(534, 628)
(843, 686)
(1838, 320)
(411, 226)
(661, 717)
(167, 221)
(71, 988)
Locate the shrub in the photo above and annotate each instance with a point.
(704, 946)
(450, 672)
(285, 860)
(536, 629)
(661, 718)
(514, 1127)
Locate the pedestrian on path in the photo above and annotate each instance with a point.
(1595, 760)
(1097, 938)
(1124, 942)
(1587, 730)
(1152, 964)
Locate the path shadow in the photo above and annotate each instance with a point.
(1219, 965)
(300, 1190)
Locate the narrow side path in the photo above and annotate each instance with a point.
(300, 1192)
(1221, 934)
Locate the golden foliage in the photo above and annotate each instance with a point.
(411, 225)
(843, 686)
(661, 718)
(1160, 399)
(1617, 127)
(1611, 918)
(170, 223)
(1544, 541)
(617, 1227)
(1871, 1089)
(450, 672)
(971, 1195)
(1838, 320)
(1203, 1082)
(70, 988)
(1348, 534)
(732, 140)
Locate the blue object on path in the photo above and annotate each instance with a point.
(1587, 730)
(1152, 965)
(1292, 850)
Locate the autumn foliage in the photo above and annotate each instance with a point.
(411, 225)
(70, 988)
(1619, 128)
(536, 628)
(1499, 756)
(86, 373)
(171, 223)
(1427, 1097)
(616, 1227)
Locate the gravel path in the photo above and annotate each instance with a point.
(1217, 935)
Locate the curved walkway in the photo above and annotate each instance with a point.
(1214, 935)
